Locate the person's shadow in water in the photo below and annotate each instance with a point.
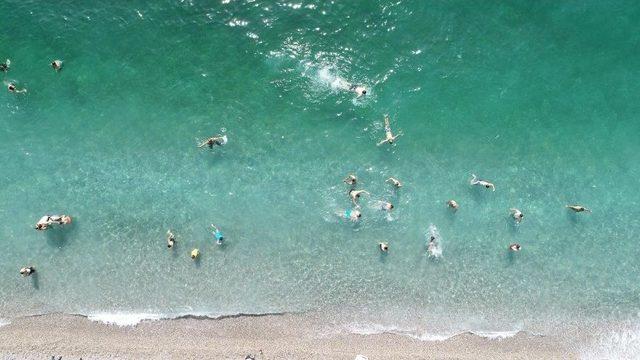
(383, 256)
(478, 193)
(34, 280)
(513, 225)
(58, 236)
(573, 217)
(511, 257)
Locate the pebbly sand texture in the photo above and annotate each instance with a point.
(266, 337)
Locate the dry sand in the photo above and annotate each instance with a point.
(266, 337)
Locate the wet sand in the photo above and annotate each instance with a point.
(286, 336)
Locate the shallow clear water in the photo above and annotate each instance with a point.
(541, 98)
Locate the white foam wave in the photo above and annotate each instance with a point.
(4, 322)
(618, 344)
(123, 319)
(373, 329)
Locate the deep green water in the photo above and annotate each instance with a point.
(542, 98)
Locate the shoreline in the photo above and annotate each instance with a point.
(282, 336)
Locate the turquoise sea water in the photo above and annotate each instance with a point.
(539, 97)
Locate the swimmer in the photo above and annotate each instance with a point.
(578, 208)
(352, 214)
(475, 181)
(342, 84)
(514, 247)
(384, 247)
(358, 89)
(389, 138)
(453, 205)
(48, 220)
(432, 248)
(171, 239)
(27, 271)
(43, 223)
(350, 180)
(386, 206)
(355, 195)
(12, 88)
(60, 219)
(56, 65)
(517, 215)
(4, 67)
(395, 182)
(219, 140)
(218, 234)
(195, 253)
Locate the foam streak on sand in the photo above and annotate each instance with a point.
(374, 329)
(123, 319)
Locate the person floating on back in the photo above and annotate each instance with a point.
(350, 180)
(453, 205)
(48, 220)
(4, 67)
(475, 181)
(171, 239)
(389, 138)
(27, 271)
(514, 247)
(57, 65)
(12, 88)
(517, 215)
(578, 208)
(218, 140)
(217, 234)
(395, 182)
(355, 195)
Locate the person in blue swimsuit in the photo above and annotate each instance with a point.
(217, 234)
(352, 214)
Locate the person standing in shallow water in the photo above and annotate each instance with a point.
(350, 180)
(27, 271)
(517, 215)
(4, 67)
(56, 65)
(171, 239)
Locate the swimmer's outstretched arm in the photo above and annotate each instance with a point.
(205, 143)
(215, 228)
(474, 179)
(382, 142)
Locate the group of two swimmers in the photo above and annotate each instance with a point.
(5, 66)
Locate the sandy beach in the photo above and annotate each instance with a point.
(265, 337)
